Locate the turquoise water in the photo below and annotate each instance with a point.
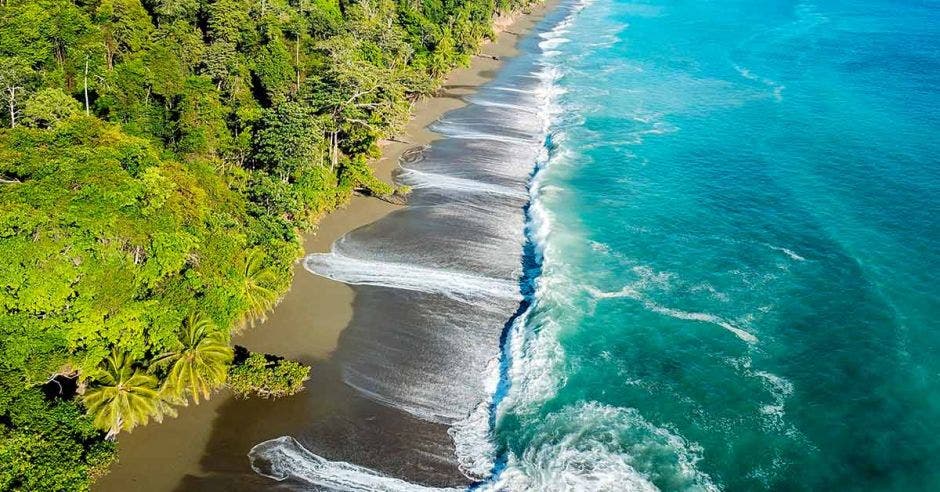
(738, 243)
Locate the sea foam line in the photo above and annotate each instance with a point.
(789, 252)
(476, 449)
(630, 292)
(421, 179)
(489, 464)
(582, 456)
(284, 457)
(460, 286)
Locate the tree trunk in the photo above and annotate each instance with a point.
(334, 150)
(86, 86)
(297, 60)
(12, 92)
(113, 431)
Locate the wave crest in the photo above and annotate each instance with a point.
(592, 446)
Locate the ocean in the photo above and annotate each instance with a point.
(673, 246)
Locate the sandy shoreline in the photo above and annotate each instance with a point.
(209, 440)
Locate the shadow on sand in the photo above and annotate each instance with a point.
(332, 420)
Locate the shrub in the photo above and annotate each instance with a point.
(265, 375)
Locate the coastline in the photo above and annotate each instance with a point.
(204, 448)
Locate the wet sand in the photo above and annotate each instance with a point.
(205, 447)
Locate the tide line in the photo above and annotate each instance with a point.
(284, 457)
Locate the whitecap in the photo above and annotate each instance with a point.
(790, 253)
(632, 292)
(535, 372)
(598, 447)
(780, 389)
(552, 43)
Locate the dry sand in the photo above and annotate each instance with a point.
(305, 326)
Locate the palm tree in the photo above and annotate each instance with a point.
(256, 284)
(123, 396)
(201, 363)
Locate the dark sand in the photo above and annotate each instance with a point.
(206, 447)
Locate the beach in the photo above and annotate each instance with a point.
(206, 446)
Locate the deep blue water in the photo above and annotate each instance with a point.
(738, 235)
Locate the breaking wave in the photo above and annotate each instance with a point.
(591, 446)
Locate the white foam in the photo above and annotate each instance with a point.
(780, 389)
(586, 446)
(600, 247)
(536, 371)
(472, 436)
(714, 294)
(558, 31)
(416, 403)
(461, 286)
(591, 446)
(475, 135)
(284, 457)
(552, 43)
(513, 89)
(529, 357)
(494, 104)
(788, 252)
(776, 88)
(420, 179)
(702, 317)
(632, 292)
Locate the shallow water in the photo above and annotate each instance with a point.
(676, 246)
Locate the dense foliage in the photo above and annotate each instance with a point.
(266, 376)
(157, 158)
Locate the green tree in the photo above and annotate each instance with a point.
(289, 138)
(176, 10)
(227, 20)
(123, 395)
(71, 37)
(50, 445)
(256, 285)
(200, 118)
(273, 69)
(363, 100)
(14, 73)
(200, 363)
(48, 107)
(124, 27)
(267, 376)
